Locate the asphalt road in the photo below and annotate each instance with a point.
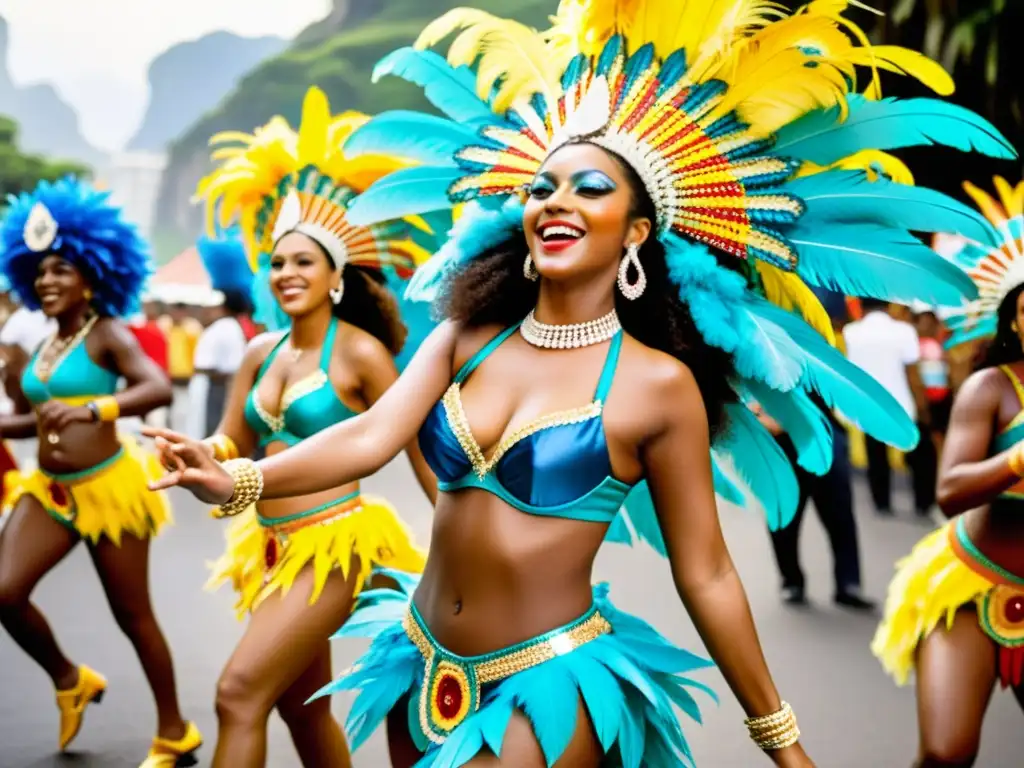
(851, 715)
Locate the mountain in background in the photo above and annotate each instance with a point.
(47, 124)
(189, 79)
(337, 54)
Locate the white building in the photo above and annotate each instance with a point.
(133, 179)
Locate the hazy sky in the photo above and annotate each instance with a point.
(96, 52)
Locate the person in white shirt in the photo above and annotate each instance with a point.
(218, 356)
(26, 329)
(889, 350)
(20, 336)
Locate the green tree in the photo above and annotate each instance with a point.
(21, 171)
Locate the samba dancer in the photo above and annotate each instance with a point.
(298, 563)
(955, 611)
(550, 396)
(66, 250)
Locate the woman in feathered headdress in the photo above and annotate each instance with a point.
(65, 249)
(645, 189)
(298, 562)
(957, 602)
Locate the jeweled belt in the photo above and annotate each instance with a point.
(451, 683)
(277, 529)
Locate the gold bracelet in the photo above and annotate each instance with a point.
(1016, 459)
(107, 408)
(224, 447)
(775, 731)
(248, 480)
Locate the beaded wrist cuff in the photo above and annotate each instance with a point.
(775, 731)
(248, 487)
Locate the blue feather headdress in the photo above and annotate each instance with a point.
(226, 262)
(768, 180)
(996, 264)
(73, 220)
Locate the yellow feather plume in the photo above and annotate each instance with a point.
(501, 48)
(251, 166)
(1010, 203)
(787, 291)
(873, 162)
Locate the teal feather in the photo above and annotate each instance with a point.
(804, 422)
(970, 329)
(404, 193)
(872, 260)
(842, 385)
(850, 196)
(597, 685)
(639, 506)
(451, 89)
(725, 487)
(415, 136)
(627, 681)
(822, 138)
(494, 720)
(762, 465)
(553, 717)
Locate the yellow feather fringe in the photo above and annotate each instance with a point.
(930, 586)
(372, 536)
(1009, 204)
(108, 503)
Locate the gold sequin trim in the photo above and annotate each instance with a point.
(522, 659)
(459, 424)
(295, 392)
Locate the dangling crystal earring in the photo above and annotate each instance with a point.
(632, 291)
(529, 268)
(337, 293)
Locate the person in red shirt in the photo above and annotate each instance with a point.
(151, 336)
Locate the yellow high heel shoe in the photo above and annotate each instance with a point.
(175, 754)
(72, 702)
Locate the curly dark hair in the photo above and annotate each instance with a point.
(368, 303)
(1006, 346)
(493, 289)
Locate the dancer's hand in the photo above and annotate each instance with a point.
(55, 415)
(190, 465)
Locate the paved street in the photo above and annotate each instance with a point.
(851, 714)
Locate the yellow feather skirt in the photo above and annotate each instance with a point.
(263, 557)
(931, 584)
(107, 500)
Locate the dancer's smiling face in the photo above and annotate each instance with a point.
(582, 213)
(301, 274)
(60, 286)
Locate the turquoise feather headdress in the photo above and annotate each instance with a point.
(996, 264)
(70, 218)
(753, 143)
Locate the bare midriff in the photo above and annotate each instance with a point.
(497, 576)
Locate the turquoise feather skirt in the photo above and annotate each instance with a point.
(629, 677)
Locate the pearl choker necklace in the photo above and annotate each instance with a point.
(569, 336)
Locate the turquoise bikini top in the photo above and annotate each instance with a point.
(557, 465)
(307, 406)
(74, 377)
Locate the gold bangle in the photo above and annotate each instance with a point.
(107, 408)
(224, 447)
(248, 481)
(775, 731)
(1016, 460)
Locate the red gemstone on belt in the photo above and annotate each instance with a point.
(1013, 610)
(449, 697)
(271, 552)
(60, 498)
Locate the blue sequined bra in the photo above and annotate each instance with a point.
(556, 465)
(74, 378)
(307, 406)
